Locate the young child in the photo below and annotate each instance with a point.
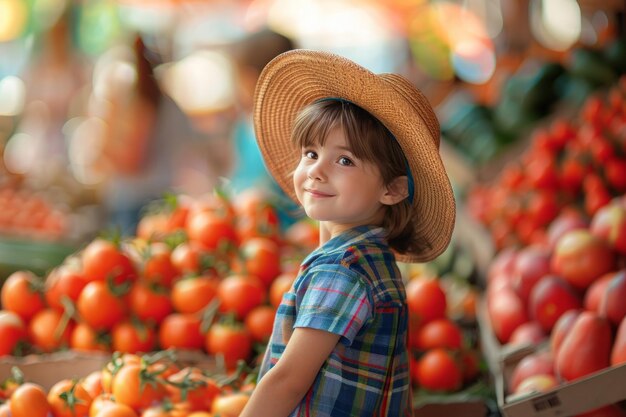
(360, 152)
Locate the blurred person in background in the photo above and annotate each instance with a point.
(250, 55)
(148, 141)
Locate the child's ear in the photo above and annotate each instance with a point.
(396, 191)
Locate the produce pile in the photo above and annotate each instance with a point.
(481, 132)
(132, 386)
(206, 274)
(558, 220)
(575, 164)
(445, 356)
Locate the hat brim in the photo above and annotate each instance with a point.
(297, 78)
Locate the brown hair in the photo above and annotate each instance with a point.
(370, 141)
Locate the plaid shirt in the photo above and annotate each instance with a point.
(351, 286)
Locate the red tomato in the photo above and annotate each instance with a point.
(426, 299)
(212, 231)
(99, 306)
(92, 383)
(614, 171)
(233, 342)
(280, 286)
(261, 258)
(200, 391)
(85, 338)
(12, 331)
(256, 216)
(304, 234)
(76, 403)
(29, 400)
(152, 227)
(229, 404)
(240, 294)
(130, 337)
(114, 409)
(134, 386)
(186, 258)
(149, 303)
(63, 283)
(103, 260)
(193, 294)
(46, 330)
(181, 331)
(158, 267)
(260, 323)
(438, 370)
(440, 333)
(21, 294)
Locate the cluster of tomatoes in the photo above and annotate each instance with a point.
(577, 163)
(206, 275)
(26, 213)
(443, 358)
(131, 385)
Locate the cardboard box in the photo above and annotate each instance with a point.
(47, 369)
(604, 387)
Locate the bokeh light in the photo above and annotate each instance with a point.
(202, 82)
(449, 39)
(12, 96)
(556, 24)
(13, 19)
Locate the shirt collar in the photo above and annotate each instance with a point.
(355, 235)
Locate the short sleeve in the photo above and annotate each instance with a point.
(336, 300)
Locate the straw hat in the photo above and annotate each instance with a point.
(299, 77)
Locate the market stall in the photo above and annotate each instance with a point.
(137, 273)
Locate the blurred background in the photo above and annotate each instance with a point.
(106, 105)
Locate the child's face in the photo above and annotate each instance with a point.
(335, 187)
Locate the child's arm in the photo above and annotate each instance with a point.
(282, 388)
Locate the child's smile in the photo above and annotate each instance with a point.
(336, 187)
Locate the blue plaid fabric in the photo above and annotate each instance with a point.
(351, 286)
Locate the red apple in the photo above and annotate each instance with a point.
(531, 264)
(609, 223)
(581, 257)
(538, 363)
(529, 333)
(561, 328)
(594, 293)
(506, 312)
(566, 221)
(550, 298)
(503, 263)
(612, 305)
(537, 383)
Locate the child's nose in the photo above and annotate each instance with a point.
(316, 170)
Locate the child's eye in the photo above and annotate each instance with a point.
(345, 161)
(310, 154)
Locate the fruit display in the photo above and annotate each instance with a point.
(573, 165)
(481, 132)
(41, 225)
(447, 363)
(557, 217)
(194, 277)
(132, 385)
